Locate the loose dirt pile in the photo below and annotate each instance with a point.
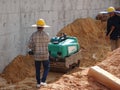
(112, 63)
(20, 68)
(75, 80)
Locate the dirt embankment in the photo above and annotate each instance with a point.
(112, 63)
(20, 68)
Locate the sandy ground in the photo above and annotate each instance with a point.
(77, 79)
(28, 83)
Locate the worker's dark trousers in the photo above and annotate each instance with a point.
(46, 68)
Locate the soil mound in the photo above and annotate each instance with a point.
(20, 68)
(112, 63)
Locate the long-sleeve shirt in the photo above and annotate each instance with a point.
(115, 22)
(39, 44)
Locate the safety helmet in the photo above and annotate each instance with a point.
(40, 23)
(110, 9)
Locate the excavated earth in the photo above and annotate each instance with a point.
(95, 50)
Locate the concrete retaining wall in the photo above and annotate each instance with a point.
(16, 17)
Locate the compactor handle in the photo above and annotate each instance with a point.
(62, 37)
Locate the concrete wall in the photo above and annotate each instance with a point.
(16, 17)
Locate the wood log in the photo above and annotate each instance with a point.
(104, 77)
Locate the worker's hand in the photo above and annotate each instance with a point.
(107, 38)
(30, 52)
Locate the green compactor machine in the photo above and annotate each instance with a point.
(64, 53)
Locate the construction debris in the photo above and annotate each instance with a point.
(102, 16)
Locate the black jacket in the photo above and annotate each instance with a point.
(113, 21)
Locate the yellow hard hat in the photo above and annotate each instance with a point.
(40, 23)
(111, 9)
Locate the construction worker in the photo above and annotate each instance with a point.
(38, 46)
(113, 28)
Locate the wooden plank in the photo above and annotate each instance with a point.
(104, 77)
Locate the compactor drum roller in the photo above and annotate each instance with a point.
(64, 53)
